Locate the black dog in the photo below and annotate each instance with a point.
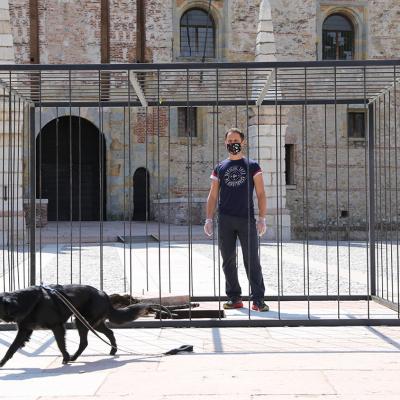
(40, 307)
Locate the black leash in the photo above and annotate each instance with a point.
(82, 319)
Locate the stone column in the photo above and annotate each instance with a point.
(11, 211)
(268, 134)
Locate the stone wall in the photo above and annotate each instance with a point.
(12, 223)
(70, 32)
(297, 25)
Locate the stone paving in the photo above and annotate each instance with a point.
(349, 363)
(196, 268)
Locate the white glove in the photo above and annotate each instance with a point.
(208, 227)
(261, 226)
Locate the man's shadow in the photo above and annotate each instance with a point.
(77, 367)
(275, 315)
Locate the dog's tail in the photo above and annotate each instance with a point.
(127, 314)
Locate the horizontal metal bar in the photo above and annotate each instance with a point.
(290, 298)
(199, 65)
(242, 323)
(196, 103)
(389, 304)
(238, 323)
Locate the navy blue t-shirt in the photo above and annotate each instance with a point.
(235, 188)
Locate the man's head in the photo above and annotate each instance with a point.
(233, 134)
(234, 140)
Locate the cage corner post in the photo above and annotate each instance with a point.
(371, 202)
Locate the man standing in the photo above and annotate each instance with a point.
(234, 180)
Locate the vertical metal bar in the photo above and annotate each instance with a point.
(23, 130)
(326, 201)
(147, 200)
(306, 192)
(385, 198)
(40, 138)
(57, 192)
(130, 189)
(375, 119)
(32, 222)
(217, 224)
(303, 199)
(28, 141)
(188, 168)
(11, 186)
(18, 131)
(249, 266)
(13, 191)
(70, 174)
(390, 199)
(159, 189)
(169, 198)
(213, 166)
(236, 116)
(277, 156)
(124, 191)
(337, 200)
(80, 191)
(237, 241)
(101, 185)
(348, 229)
(4, 189)
(190, 188)
(371, 202)
(379, 172)
(279, 218)
(258, 160)
(396, 189)
(367, 191)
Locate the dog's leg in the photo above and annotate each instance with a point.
(22, 337)
(59, 334)
(83, 332)
(110, 335)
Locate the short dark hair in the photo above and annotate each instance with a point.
(235, 130)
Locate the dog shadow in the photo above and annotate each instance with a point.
(77, 367)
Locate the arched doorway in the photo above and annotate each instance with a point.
(141, 194)
(65, 145)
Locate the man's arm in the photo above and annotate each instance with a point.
(260, 192)
(212, 199)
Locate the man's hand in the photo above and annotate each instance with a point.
(261, 226)
(208, 227)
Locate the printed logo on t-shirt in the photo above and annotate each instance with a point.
(235, 176)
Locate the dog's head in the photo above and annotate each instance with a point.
(8, 307)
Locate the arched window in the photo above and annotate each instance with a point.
(337, 38)
(197, 34)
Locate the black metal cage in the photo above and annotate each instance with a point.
(341, 265)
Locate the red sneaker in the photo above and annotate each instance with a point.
(259, 306)
(231, 304)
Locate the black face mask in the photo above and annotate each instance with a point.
(234, 148)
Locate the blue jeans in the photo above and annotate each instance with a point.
(229, 229)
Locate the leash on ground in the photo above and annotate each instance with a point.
(83, 320)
